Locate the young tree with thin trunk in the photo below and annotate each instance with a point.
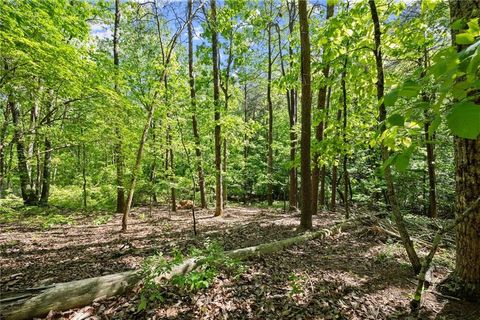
(321, 105)
(119, 162)
(196, 135)
(270, 114)
(397, 215)
(306, 100)
(217, 112)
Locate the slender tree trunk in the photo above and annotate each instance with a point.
(407, 242)
(333, 196)
(245, 144)
(321, 104)
(270, 118)
(292, 113)
(344, 131)
(216, 100)
(46, 161)
(467, 170)
(3, 134)
(306, 214)
(323, 173)
(432, 192)
(196, 135)
(136, 168)
(430, 146)
(119, 159)
(84, 175)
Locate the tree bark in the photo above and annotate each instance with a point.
(46, 161)
(217, 112)
(292, 112)
(306, 100)
(344, 132)
(321, 105)
(136, 168)
(3, 134)
(28, 195)
(196, 135)
(397, 215)
(119, 159)
(270, 117)
(467, 172)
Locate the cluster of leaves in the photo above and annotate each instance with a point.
(212, 260)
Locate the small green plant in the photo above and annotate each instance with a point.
(212, 260)
(103, 219)
(295, 283)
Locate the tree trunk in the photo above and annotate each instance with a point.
(28, 195)
(245, 144)
(3, 134)
(136, 168)
(270, 117)
(225, 87)
(119, 160)
(196, 135)
(292, 114)
(323, 173)
(432, 193)
(46, 161)
(216, 100)
(344, 132)
(397, 215)
(333, 196)
(321, 105)
(306, 213)
(467, 171)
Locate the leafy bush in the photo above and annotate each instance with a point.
(212, 259)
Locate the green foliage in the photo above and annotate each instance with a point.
(212, 261)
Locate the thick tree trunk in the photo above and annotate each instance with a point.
(306, 213)
(397, 215)
(196, 135)
(216, 100)
(467, 172)
(321, 105)
(28, 195)
(119, 161)
(64, 296)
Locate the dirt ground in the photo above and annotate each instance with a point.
(354, 275)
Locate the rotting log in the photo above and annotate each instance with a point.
(69, 295)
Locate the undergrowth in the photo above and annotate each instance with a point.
(212, 261)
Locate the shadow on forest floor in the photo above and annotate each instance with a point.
(355, 275)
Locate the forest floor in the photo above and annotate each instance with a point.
(359, 274)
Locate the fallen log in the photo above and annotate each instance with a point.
(75, 294)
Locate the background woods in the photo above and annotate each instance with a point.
(338, 107)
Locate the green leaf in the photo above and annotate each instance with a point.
(390, 98)
(403, 159)
(465, 38)
(464, 120)
(396, 120)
